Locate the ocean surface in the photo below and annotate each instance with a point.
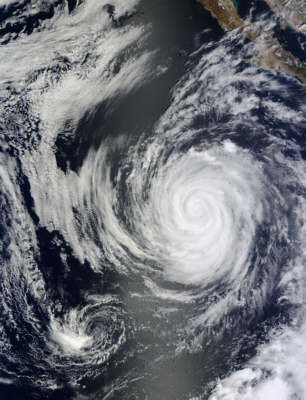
(153, 205)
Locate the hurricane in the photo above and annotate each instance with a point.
(153, 206)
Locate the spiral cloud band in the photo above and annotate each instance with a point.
(148, 261)
(196, 218)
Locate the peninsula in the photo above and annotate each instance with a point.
(270, 54)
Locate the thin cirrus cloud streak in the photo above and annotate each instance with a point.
(201, 221)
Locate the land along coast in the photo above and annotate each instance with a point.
(270, 54)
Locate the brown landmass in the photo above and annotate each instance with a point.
(292, 13)
(270, 54)
(224, 11)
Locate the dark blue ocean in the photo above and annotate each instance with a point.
(152, 226)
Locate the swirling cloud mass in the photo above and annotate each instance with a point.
(148, 254)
